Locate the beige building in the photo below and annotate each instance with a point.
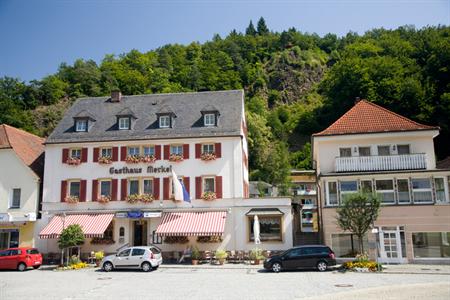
(372, 149)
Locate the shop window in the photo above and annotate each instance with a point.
(209, 119)
(148, 186)
(208, 184)
(346, 245)
(124, 123)
(133, 187)
(421, 188)
(74, 189)
(133, 151)
(431, 244)
(385, 190)
(345, 152)
(348, 188)
(332, 198)
(149, 150)
(156, 239)
(366, 186)
(15, 199)
(403, 191)
(106, 152)
(270, 228)
(105, 188)
(208, 148)
(439, 185)
(364, 151)
(176, 149)
(9, 238)
(403, 149)
(109, 232)
(75, 153)
(383, 150)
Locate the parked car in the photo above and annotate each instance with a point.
(319, 257)
(145, 258)
(20, 258)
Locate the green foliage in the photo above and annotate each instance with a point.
(256, 253)
(71, 236)
(221, 254)
(195, 253)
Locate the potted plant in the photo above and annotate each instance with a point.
(209, 196)
(221, 255)
(72, 199)
(206, 156)
(256, 255)
(98, 257)
(133, 198)
(195, 255)
(175, 157)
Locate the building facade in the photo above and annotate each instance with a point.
(22, 162)
(110, 162)
(370, 149)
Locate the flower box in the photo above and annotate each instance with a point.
(175, 157)
(102, 241)
(134, 198)
(146, 198)
(72, 199)
(209, 196)
(209, 239)
(105, 160)
(133, 159)
(73, 161)
(148, 159)
(208, 156)
(104, 199)
(176, 240)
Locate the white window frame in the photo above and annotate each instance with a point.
(211, 146)
(422, 190)
(11, 203)
(103, 152)
(209, 120)
(75, 153)
(69, 189)
(151, 185)
(366, 180)
(81, 125)
(179, 149)
(134, 153)
(341, 193)
(204, 178)
(364, 147)
(100, 187)
(328, 193)
(389, 150)
(152, 152)
(386, 191)
(398, 191)
(409, 149)
(129, 180)
(124, 123)
(164, 121)
(345, 148)
(446, 200)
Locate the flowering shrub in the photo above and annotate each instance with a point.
(208, 156)
(208, 196)
(176, 240)
(104, 199)
(74, 161)
(102, 241)
(146, 198)
(132, 198)
(76, 266)
(105, 160)
(369, 265)
(133, 159)
(175, 157)
(209, 239)
(72, 199)
(148, 158)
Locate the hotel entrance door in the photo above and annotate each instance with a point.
(140, 233)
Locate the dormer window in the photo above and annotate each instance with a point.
(209, 119)
(164, 121)
(81, 125)
(124, 123)
(210, 115)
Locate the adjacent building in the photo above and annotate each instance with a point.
(21, 170)
(372, 149)
(109, 168)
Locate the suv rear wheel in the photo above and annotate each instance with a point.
(146, 266)
(322, 266)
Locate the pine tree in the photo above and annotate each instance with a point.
(250, 29)
(262, 27)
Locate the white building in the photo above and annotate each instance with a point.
(372, 149)
(113, 157)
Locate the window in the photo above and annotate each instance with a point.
(208, 184)
(109, 232)
(105, 188)
(269, 226)
(431, 244)
(81, 125)
(208, 148)
(366, 186)
(346, 245)
(9, 238)
(364, 151)
(347, 188)
(148, 186)
(133, 151)
(403, 149)
(106, 152)
(133, 187)
(75, 153)
(149, 150)
(137, 252)
(210, 119)
(124, 253)
(383, 150)
(421, 188)
(332, 198)
(74, 189)
(164, 121)
(176, 149)
(345, 152)
(403, 191)
(439, 185)
(124, 123)
(15, 201)
(385, 189)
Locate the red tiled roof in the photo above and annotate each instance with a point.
(367, 117)
(28, 147)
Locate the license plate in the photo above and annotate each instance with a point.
(36, 262)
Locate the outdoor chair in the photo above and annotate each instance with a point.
(207, 256)
(240, 256)
(232, 257)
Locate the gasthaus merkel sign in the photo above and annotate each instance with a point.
(150, 170)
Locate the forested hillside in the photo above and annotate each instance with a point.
(295, 84)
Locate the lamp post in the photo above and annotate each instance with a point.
(63, 219)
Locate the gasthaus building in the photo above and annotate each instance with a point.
(109, 165)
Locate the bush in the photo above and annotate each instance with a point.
(73, 260)
(195, 253)
(256, 254)
(99, 255)
(370, 265)
(221, 254)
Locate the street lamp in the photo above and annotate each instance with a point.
(63, 219)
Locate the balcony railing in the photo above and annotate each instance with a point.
(381, 163)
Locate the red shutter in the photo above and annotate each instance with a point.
(94, 189)
(115, 153)
(123, 189)
(198, 150)
(114, 190)
(186, 151)
(219, 187)
(63, 190)
(84, 155)
(218, 150)
(198, 187)
(83, 191)
(123, 153)
(186, 184)
(156, 185)
(158, 152)
(166, 151)
(65, 155)
(166, 189)
(96, 154)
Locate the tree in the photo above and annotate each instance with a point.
(71, 236)
(250, 29)
(357, 214)
(262, 27)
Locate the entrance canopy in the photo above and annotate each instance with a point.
(93, 225)
(206, 223)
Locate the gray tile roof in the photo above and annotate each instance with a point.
(187, 108)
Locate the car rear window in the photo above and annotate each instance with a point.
(321, 250)
(32, 251)
(155, 250)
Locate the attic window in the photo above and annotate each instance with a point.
(209, 119)
(81, 125)
(124, 123)
(164, 121)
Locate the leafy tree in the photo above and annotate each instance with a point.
(71, 236)
(357, 214)
(262, 27)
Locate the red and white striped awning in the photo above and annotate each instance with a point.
(93, 225)
(206, 223)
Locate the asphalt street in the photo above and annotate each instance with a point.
(190, 283)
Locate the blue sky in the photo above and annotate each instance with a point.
(36, 36)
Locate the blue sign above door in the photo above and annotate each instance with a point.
(135, 214)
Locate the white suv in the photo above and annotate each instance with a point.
(143, 257)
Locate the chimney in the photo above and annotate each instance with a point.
(116, 96)
(357, 99)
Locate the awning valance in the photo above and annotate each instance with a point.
(207, 223)
(93, 225)
(264, 211)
